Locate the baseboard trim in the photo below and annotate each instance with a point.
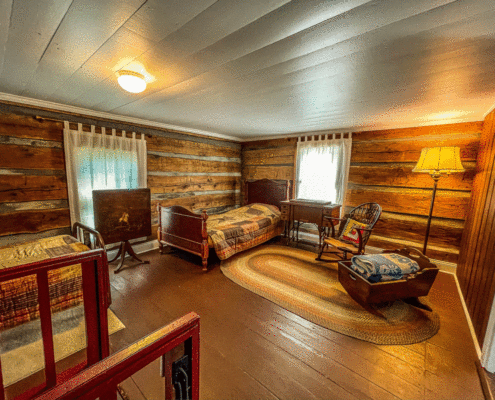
(139, 248)
(466, 313)
(485, 386)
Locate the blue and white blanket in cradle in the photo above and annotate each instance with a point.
(383, 267)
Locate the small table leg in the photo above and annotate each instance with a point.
(125, 247)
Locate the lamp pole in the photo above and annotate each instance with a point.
(438, 161)
(435, 177)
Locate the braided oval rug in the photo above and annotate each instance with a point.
(293, 279)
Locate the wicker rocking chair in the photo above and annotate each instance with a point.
(353, 232)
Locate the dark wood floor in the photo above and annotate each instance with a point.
(254, 349)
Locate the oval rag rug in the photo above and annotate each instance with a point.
(294, 280)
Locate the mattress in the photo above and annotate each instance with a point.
(243, 228)
(19, 297)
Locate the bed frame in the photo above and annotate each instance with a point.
(96, 299)
(178, 227)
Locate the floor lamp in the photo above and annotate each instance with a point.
(438, 161)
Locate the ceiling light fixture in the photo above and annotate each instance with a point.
(131, 81)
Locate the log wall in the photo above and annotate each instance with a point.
(188, 170)
(476, 270)
(381, 171)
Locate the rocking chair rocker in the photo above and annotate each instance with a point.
(353, 232)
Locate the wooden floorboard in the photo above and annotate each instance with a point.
(252, 348)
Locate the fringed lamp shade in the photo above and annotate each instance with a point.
(439, 160)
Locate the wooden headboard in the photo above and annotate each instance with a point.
(267, 191)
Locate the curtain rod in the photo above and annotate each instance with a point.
(103, 130)
(326, 136)
(41, 119)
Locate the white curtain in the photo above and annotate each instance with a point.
(100, 161)
(322, 168)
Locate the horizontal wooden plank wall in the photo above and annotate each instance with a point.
(188, 170)
(381, 171)
(476, 272)
(270, 159)
(33, 187)
(193, 175)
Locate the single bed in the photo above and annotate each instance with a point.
(231, 232)
(19, 297)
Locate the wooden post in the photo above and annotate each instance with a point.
(204, 234)
(46, 328)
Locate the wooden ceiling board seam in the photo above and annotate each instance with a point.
(339, 102)
(250, 72)
(148, 99)
(172, 15)
(61, 50)
(55, 32)
(110, 84)
(95, 65)
(131, 59)
(307, 86)
(242, 86)
(32, 26)
(5, 20)
(235, 41)
(285, 86)
(307, 31)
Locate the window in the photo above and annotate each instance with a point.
(322, 169)
(98, 161)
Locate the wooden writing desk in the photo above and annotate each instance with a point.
(295, 212)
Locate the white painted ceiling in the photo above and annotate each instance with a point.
(251, 68)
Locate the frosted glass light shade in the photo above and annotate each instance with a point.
(131, 81)
(439, 160)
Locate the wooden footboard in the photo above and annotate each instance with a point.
(94, 267)
(181, 228)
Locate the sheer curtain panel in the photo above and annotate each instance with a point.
(100, 161)
(322, 168)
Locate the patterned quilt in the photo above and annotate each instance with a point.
(19, 297)
(243, 228)
(383, 267)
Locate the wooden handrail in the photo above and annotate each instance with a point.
(96, 299)
(78, 230)
(101, 379)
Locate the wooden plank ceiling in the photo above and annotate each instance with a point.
(259, 67)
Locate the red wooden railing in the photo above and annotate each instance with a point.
(100, 380)
(95, 287)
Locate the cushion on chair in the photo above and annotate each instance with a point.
(350, 233)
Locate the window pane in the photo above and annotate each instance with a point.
(317, 173)
(101, 168)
